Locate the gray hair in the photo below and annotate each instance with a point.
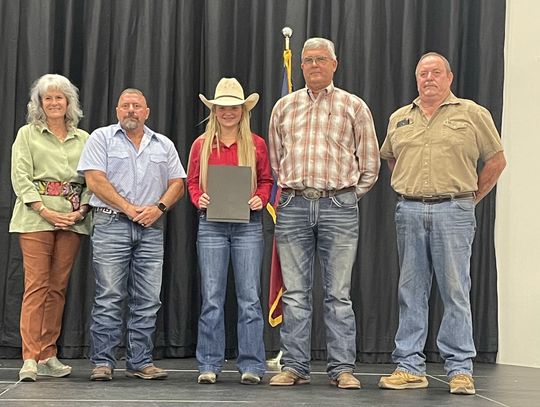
(48, 82)
(317, 42)
(131, 90)
(434, 54)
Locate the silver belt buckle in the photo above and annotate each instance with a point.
(105, 210)
(311, 193)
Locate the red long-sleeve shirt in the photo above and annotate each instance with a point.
(229, 156)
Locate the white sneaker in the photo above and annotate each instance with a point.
(28, 372)
(250, 378)
(207, 378)
(53, 367)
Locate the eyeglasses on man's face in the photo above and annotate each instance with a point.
(318, 59)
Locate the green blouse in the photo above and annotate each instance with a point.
(37, 155)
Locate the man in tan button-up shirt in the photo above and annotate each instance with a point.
(433, 146)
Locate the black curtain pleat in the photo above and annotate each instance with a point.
(174, 50)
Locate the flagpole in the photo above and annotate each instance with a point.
(275, 363)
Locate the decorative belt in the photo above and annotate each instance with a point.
(108, 211)
(313, 194)
(438, 198)
(70, 190)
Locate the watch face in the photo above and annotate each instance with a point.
(162, 206)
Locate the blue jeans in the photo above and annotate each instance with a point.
(435, 239)
(217, 243)
(330, 227)
(127, 262)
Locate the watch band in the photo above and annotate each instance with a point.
(162, 207)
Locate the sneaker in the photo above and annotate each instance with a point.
(28, 372)
(101, 373)
(346, 380)
(287, 378)
(207, 378)
(462, 384)
(400, 380)
(53, 367)
(149, 372)
(250, 378)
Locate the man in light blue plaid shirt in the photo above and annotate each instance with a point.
(135, 175)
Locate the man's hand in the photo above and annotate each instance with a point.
(147, 215)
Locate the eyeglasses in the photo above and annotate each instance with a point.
(319, 60)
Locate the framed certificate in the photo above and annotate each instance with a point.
(229, 188)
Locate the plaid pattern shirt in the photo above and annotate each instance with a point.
(327, 143)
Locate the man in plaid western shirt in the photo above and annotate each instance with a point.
(324, 153)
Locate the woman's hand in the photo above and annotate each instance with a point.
(60, 220)
(255, 203)
(204, 200)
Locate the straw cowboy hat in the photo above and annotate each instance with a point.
(229, 92)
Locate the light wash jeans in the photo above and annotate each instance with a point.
(328, 226)
(435, 239)
(127, 262)
(242, 243)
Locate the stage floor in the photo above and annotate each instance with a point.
(496, 385)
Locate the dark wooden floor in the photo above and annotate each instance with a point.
(497, 385)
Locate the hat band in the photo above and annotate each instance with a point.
(228, 96)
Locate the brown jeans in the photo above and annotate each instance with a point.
(47, 258)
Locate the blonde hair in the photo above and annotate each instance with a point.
(244, 140)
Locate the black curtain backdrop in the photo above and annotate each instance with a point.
(173, 50)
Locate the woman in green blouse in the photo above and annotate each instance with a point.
(49, 215)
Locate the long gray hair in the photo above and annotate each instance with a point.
(49, 82)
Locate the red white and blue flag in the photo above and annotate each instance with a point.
(275, 314)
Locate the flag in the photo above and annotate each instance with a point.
(286, 85)
(275, 313)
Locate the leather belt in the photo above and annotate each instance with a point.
(108, 211)
(312, 193)
(438, 198)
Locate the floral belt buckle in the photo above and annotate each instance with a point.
(311, 194)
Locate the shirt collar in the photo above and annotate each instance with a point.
(329, 89)
(147, 132)
(43, 128)
(450, 100)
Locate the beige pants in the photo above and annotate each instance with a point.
(47, 258)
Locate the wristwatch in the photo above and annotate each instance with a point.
(162, 207)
